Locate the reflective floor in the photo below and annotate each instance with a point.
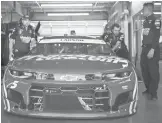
(148, 112)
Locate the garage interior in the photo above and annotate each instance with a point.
(87, 18)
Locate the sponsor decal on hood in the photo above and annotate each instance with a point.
(108, 59)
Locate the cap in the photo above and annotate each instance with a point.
(25, 17)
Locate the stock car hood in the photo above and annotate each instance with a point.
(70, 63)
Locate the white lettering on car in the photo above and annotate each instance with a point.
(13, 85)
(72, 57)
(94, 58)
(40, 58)
(69, 39)
(103, 59)
(55, 58)
(107, 59)
(48, 57)
(82, 58)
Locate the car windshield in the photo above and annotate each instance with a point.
(71, 48)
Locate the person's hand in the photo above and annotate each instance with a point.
(33, 43)
(117, 46)
(150, 54)
(11, 57)
(105, 37)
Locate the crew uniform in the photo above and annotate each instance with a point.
(105, 36)
(150, 67)
(20, 34)
(122, 50)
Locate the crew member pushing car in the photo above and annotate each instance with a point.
(21, 39)
(116, 40)
(107, 31)
(150, 51)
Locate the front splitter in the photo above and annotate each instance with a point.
(68, 115)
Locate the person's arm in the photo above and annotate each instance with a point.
(105, 37)
(33, 41)
(12, 37)
(108, 38)
(118, 43)
(156, 33)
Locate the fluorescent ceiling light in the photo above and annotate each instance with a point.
(71, 10)
(157, 13)
(64, 5)
(67, 14)
(157, 3)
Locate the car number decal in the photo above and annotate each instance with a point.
(13, 85)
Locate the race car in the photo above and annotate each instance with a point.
(70, 77)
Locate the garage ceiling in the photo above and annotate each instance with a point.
(36, 6)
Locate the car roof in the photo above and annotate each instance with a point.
(71, 39)
(76, 37)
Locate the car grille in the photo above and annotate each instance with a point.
(69, 98)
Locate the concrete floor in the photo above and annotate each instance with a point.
(148, 112)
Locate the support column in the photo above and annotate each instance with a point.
(126, 13)
(161, 10)
(126, 29)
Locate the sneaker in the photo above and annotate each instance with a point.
(154, 98)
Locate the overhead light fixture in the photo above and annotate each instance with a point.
(157, 13)
(65, 5)
(67, 14)
(158, 4)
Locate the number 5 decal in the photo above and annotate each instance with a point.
(14, 84)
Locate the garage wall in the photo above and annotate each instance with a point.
(91, 16)
(6, 17)
(64, 27)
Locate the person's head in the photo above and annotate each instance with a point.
(115, 29)
(25, 21)
(148, 9)
(73, 32)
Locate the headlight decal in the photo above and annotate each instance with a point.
(20, 74)
(44, 76)
(31, 75)
(117, 76)
(135, 91)
(131, 108)
(133, 104)
(5, 92)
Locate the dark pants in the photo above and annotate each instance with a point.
(150, 69)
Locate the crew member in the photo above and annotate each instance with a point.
(22, 39)
(107, 31)
(116, 40)
(150, 51)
